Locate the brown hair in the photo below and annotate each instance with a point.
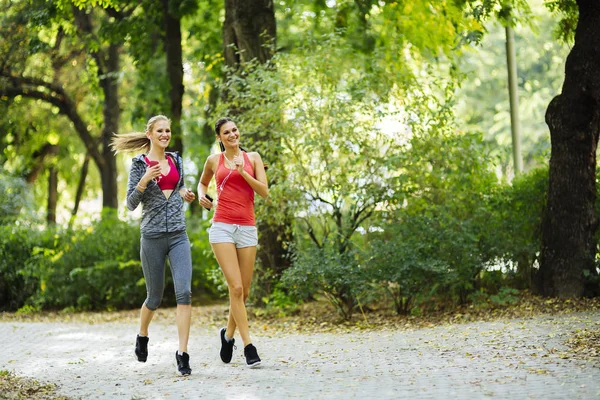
(136, 141)
(220, 122)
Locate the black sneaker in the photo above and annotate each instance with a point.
(183, 363)
(252, 358)
(141, 348)
(226, 347)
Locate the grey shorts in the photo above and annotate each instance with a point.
(240, 235)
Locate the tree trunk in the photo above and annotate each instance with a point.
(249, 33)
(111, 112)
(568, 245)
(108, 63)
(38, 162)
(82, 177)
(172, 26)
(52, 187)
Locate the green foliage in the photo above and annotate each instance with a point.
(280, 301)
(513, 234)
(568, 11)
(96, 268)
(337, 162)
(342, 278)
(16, 196)
(506, 296)
(408, 261)
(92, 268)
(355, 117)
(483, 100)
(18, 279)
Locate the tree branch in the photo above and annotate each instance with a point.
(57, 97)
(84, 24)
(311, 233)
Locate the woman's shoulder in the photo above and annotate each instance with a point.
(213, 160)
(213, 157)
(138, 163)
(139, 157)
(253, 155)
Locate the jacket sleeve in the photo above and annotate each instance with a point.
(134, 196)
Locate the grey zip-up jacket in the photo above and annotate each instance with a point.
(159, 214)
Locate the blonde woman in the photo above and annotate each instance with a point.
(156, 181)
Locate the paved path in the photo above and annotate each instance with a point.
(518, 359)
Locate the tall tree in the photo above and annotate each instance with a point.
(568, 245)
(107, 58)
(249, 34)
(173, 52)
(86, 28)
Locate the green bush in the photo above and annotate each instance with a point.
(340, 277)
(406, 262)
(92, 268)
(95, 268)
(18, 277)
(513, 231)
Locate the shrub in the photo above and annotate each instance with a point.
(405, 263)
(95, 268)
(513, 231)
(340, 277)
(19, 279)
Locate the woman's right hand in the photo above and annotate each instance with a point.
(206, 203)
(151, 173)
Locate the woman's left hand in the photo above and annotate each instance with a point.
(239, 162)
(187, 195)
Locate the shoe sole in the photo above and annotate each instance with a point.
(182, 374)
(256, 364)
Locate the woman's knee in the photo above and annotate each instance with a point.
(184, 297)
(237, 291)
(153, 302)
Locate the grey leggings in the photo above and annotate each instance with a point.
(153, 254)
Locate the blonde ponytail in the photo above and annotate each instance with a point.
(136, 141)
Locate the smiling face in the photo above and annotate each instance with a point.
(229, 135)
(160, 135)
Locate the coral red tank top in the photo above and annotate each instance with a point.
(171, 179)
(235, 196)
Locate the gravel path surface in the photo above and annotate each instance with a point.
(516, 359)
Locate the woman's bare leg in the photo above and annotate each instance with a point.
(184, 318)
(146, 315)
(227, 257)
(246, 259)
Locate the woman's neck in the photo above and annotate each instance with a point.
(231, 152)
(157, 154)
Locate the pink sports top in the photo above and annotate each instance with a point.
(170, 180)
(235, 196)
